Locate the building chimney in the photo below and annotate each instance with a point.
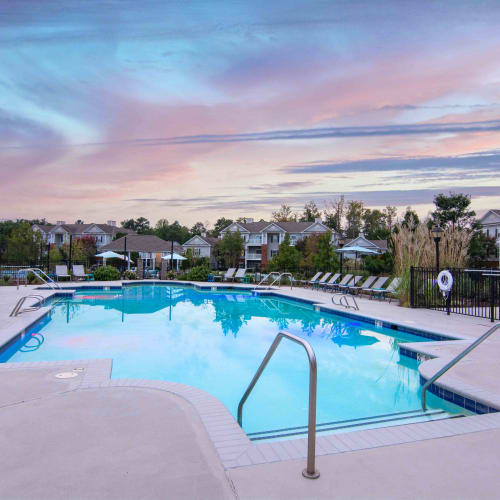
(61, 222)
(112, 223)
(248, 220)
(317, 220)
(204, 234)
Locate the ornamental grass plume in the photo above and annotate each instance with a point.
(414, 245)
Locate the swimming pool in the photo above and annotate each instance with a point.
(215, 340)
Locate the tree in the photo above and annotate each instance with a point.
(171, 232)
(391, 215)
(326, 258)
(334, 213)
(23, 244)
(481, 247)
(284, 214)
(79, 221)
(354, 215)
(453, 210)
(140, 225)
(375, 224)
(229, 248)
(198, 228)
(221, 224)
(410, 218)
(310, 213)
(287, 258)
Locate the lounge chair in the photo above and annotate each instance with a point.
(322, 280)
(331, 281)
(365, 286)
(387, 292)
(79, 272)
(62, 272)
(376, 286)
(240, 274)
(351, 284)
(311, 281)
(229, 274)
(345, 280)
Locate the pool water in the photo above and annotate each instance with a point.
(216, 340)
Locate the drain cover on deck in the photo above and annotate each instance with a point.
(66, 375)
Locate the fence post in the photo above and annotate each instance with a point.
(492, 298)
(412, 278)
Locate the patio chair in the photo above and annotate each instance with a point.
(240, 274)
(387, 292)
(229, 274)
(311, 281)
(377, 285)
(321, 280)
(79, 272)
(62, 272)
(331, 281)
(365, 286)
(347, 287)
(345, 280)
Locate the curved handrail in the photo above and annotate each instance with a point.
(454, 361)
(310, 471)
(346, 302)
(266, 278)
(36, 270)
(20, 302)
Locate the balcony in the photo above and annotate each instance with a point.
(254, 240)
(253, 256)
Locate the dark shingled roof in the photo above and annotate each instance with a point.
(141, 243)
(82, 228)
(382, 244)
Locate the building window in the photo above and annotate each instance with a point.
(273, 253)
(196, 252)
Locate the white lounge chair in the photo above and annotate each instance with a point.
(79, 272)
(240, 274)
(322, 279)
(313, 280)
(386, 292)
(229, 274)
(350, 284)
(343, 282)
(377, 285)
(365, 286)
(62, 272)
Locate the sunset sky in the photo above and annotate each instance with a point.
(192, 110)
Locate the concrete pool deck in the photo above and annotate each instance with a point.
(91, 437)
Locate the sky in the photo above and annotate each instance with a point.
(193, 110)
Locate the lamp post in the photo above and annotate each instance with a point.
(341, 244)
(437, 232)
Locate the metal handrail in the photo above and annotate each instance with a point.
(346, 302)
(454, 361)
(278, 279)
(310, 471)
(37, 271)
(20, 302)
(266, 278)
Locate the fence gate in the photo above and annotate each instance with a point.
(475, 292)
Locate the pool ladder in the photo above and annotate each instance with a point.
(40, 275)
(277, 279)
(454, 361)
(344, 301)
(17, 308)
(310, 471)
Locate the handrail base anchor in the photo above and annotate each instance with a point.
(307, 475)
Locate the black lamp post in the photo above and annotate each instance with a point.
(341, 244)
(437, 232)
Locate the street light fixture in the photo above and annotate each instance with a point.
(437, 232)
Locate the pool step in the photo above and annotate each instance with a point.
(399, 418)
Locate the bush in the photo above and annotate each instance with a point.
(106, 273)
(198, 273)
(6, 278)
(129, 275)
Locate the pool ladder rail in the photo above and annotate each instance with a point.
(454, 361)
(310, 472)
(277, 279)
(17, 308)
(41, 275)
(344, 301)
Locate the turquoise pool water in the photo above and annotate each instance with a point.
(216, 340)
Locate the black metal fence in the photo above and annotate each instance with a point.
(475, 292)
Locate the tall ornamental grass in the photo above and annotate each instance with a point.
(414, 246)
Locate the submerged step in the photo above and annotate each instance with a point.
(386, 419)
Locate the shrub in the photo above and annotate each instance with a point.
(129, 275)
(6, 278)
(198, 273)
(106, 273)
(170, 275)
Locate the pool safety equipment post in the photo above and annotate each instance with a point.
(310, 471)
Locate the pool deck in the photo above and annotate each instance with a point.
(90, 436)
